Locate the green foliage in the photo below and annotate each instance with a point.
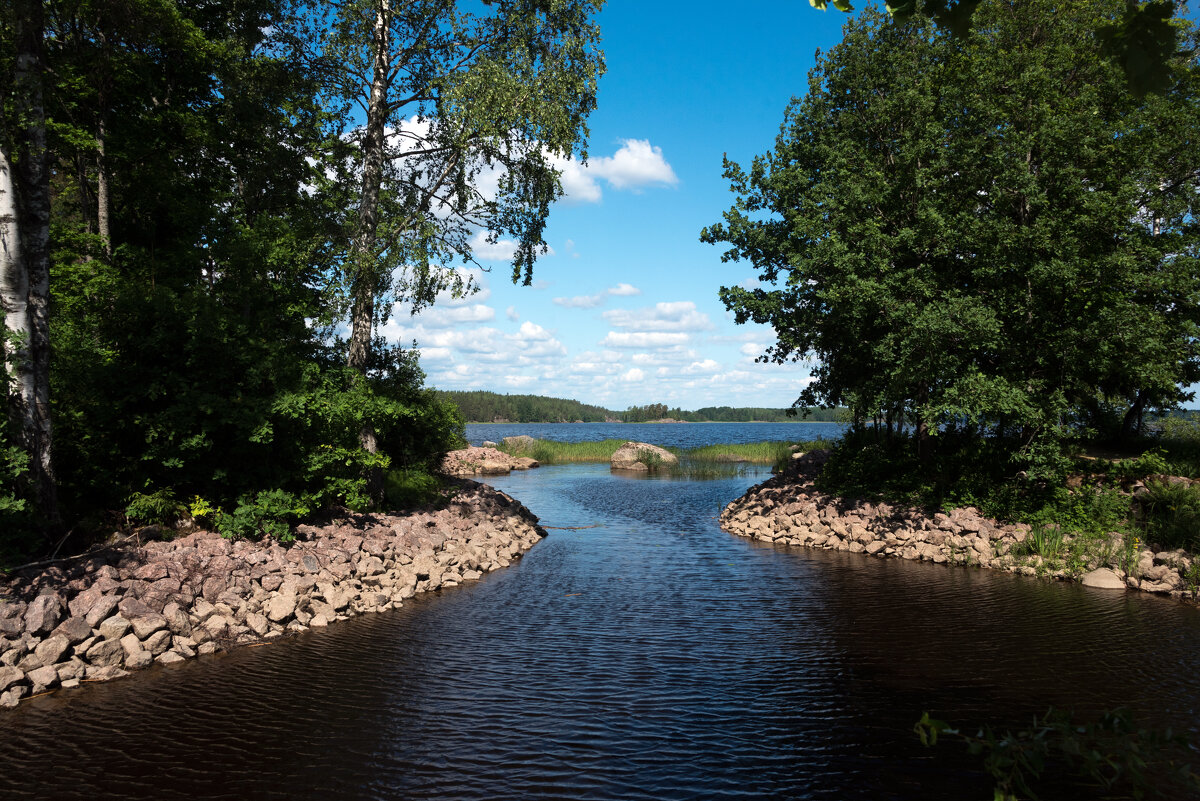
(1000, 245)
(160, 507)
(491, 407)
(200, 509)
(411, 487)
(1109, 752)
(269, 513)
(1172, 515)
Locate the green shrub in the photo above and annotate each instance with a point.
(268, 513)
(160, 507)
(410, 488)
(1172, 515)
(1109, 752)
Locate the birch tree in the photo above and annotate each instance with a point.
(465, 112)
(25, 250)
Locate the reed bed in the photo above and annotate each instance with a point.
(703, 462)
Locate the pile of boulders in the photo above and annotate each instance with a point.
(640, 456)
(789, 510)
(486, 461)
(100, 615)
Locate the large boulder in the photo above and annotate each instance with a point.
(483, 462)
(1103, 578)
(521, 442)
(642, 457)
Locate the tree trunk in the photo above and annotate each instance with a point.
(103, 201)
(1133, 417)
(364, 280)
(33, 203)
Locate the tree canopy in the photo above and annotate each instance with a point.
(195, 226)
(992, 232)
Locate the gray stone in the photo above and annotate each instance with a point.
(70, 684)
(319, 622)
(139, 660)
(105, 672)
(52, 649)
(177, 619)
(280, 608)
(75, 629)
(10, 676)
(145, 620)
(10, 609)
(202, 609)
(131, 644)
(10, 698)
(11, 626)
(257, 623)
(310, 563)
(105, 653)
(43, 678)
(158, 642)
(30, 662)
(1104, 579)
(43, 614)
(71, 670)
(101, 609)
(169, 658)
(114, 628)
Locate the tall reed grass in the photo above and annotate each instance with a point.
(708, 461)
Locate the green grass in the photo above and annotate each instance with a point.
(548, 451)
(709, 461)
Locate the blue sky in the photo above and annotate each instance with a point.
(625, 310)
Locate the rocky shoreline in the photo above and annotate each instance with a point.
(100, 615)
(789, 510)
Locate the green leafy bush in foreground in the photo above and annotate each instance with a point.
(1172, 515)
(269, 513)
(1109, 753)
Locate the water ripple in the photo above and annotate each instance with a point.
(652, 658)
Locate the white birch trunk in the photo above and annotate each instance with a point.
(14, 293)
(364, 279)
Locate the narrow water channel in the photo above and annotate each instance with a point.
(649, 657)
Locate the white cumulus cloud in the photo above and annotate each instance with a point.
(668, 316)
(632, 375)
(643, 339)
(636, 164)
(624, 290)
(580, 302)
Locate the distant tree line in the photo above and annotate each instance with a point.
(491, 407)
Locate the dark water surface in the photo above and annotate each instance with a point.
(668, 435)
(652, 657)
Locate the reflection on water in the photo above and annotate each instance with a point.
(651, 657)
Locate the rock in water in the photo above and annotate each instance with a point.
(1103, 578)
(637, 455)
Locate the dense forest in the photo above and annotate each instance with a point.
(491, 407)
(207, 207)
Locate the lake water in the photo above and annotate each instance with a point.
(673, 435)
(649, 657)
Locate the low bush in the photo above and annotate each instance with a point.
(160, 507)
(1171, 515)
(270, 513)
(410, 488)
